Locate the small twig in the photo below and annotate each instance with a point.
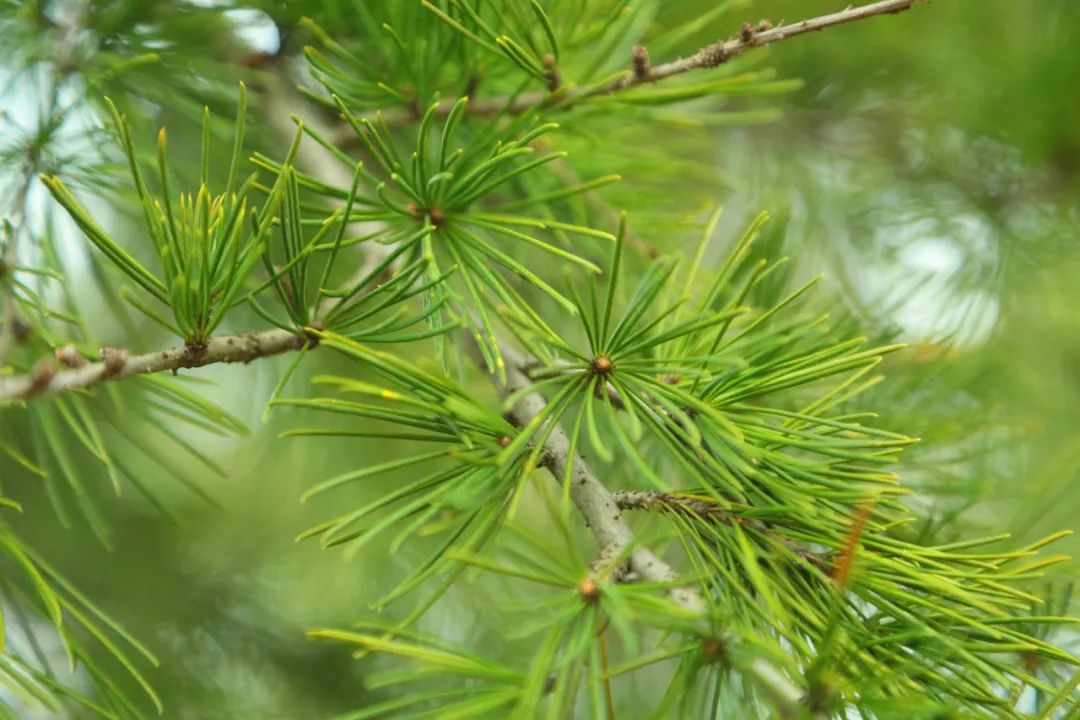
(241, 347)
(640, 62)
(750, 37)
(564, 97)
(602, 512)
(655, 501)
(118, 364)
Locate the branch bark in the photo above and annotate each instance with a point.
(117, 364)
(751, 37)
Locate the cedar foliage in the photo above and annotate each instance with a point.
(535, 361)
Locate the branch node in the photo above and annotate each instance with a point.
(42, 374)
(715, 650)
(310, 334)
(554, 79)
(113, 361)
(641, 64)
(68, 356)
(713, 55)
(194, 350)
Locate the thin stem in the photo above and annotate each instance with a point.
(641, 72)
(609, 701)
(705, 509)
(751, 37)
(118, 364)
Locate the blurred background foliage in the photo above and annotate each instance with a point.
(928, 165)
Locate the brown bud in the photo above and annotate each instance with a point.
(589, 591)
(714, 649)
(714, 55)
(641, 62)
(22, 329)
(554, 80)
(747, 32)
(602, 365)
(42, 375)
(69, 356)
(114, 360)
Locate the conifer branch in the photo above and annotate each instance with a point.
(642, 72)
(597, 504)
(602, 510)
(593, 499)
(749, 37)
(244, 347)
(924, 624)
(117, 364)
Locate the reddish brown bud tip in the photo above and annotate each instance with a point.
(602, 365)
(589, 591)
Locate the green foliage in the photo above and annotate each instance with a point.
(696, 375)
(721, 413)
(84, 630)
(203, 244)
(768, 525)
(361, 299)
(463, 499)
(427, 213)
